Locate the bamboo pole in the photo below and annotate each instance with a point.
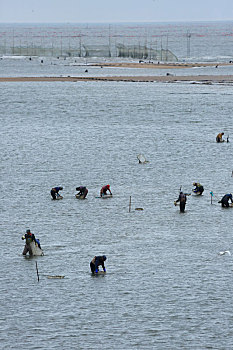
(37, 272)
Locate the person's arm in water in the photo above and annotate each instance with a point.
(103, 266)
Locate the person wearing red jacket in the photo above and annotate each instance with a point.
(104, 190)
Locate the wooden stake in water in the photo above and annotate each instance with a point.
(37, 272)
(129, 204)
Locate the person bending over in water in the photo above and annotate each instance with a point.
(96, 262)
(83, 191)
(225, 200)
(219, 137)
(54, 192)
(104, 190)
(182, 200)
(198, 188)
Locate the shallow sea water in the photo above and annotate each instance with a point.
(166, 287)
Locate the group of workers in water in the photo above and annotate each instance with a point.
(199, 189)
(82, 192)
(30, 238)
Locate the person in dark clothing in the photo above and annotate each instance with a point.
(83, 191)
(198, 188)
(104, 190)
(96, 262)
(225, 200)
(182, 200)
(54, 192)
(30, 237)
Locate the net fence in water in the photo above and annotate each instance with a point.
(163, 42)
(120, 50)
(144, 52)
(80, 41)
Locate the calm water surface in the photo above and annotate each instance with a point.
(166, 287)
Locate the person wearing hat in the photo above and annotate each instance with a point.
(30, 237)
(198, 188)
(83, 191)
(96, 262)
(219, 137)
(54, 192)
(182, 199)
(225, 200)
(104, 190)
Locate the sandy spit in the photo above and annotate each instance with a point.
(208, 79)
(160, 65)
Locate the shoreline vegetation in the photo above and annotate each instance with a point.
(169, 77)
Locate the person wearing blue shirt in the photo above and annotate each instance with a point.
(54, 192)
(96, 262)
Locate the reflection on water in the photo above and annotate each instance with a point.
(166, 286)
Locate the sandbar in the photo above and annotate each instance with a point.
(205, 79)
(178, 65)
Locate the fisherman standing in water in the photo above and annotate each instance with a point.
(182, 200)
(30, 237)
(104, 190)
(225, 200)
(54, 192)
(96, 262)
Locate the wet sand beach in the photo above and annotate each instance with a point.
(159, 65)
(207, 79)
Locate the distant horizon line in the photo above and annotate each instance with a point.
(121, 22)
